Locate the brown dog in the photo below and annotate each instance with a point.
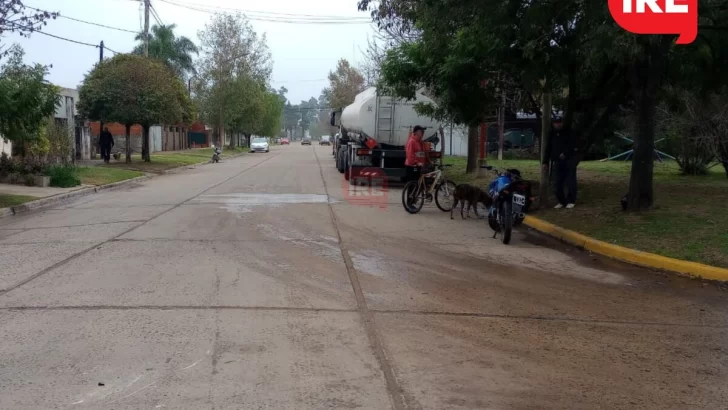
(471, 194)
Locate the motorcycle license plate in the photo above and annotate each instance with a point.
(519, 200)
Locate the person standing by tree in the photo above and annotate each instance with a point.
(561, 152)
(106, 142)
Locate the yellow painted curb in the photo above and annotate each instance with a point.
(649, 260)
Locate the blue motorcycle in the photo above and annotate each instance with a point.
(512, 198)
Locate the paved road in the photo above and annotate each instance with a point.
(255, 284)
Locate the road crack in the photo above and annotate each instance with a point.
(393, 387)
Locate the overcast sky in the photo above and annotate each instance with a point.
(303, 54)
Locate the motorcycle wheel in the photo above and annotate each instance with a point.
(506, 221)
(412, 201)
(445, 196)
(493, 220)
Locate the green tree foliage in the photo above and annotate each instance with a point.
(130, 89)
(229, 43)
(344, 84)
(291, 116)
(247, 108)
(233, 74)
(469, 52)
(176, 52)
(272, 114)
(26, 99)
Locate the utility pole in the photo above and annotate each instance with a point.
(101, 123)
(451, 125)
(544, 182)
(146, 28)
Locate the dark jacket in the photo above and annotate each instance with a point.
(560, 142)
(106, 139)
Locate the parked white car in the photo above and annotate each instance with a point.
(259, 145)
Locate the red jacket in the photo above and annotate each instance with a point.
(415, 150)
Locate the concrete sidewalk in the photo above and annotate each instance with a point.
(35, 191)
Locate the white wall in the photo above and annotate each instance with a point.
(155, 138)
(6, 146)
(459, 146)
(63, 110)
(85, 149)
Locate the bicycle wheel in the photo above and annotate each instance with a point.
(412, 198)
(445, 195)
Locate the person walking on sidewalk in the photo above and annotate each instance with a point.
(106, 142)
(561, 152)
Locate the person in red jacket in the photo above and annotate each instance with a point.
(416, 161)
(415, 154)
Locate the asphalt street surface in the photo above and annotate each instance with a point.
(262, 282)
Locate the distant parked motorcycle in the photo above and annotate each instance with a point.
(511, 201)
(216, 154)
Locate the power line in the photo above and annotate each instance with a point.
(115, 52)
(305, 109)
(270, 19)
(271, 13)
(155, 14)
(301, 81)
(62, 38)
(86, 22)
(65, 39)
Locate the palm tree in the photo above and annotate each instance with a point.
(174, 51)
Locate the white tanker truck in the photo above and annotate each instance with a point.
(373, 131)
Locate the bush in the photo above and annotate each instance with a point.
(520, 154)
(60, 142)
(7, 165)
(691, 154)
(32, 166)
(63, 176)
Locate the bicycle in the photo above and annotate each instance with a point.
(415, 193)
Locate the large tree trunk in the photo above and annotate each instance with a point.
(128, 143)
(543, 189)
(472, 165)
(146, 155)
(647, 74)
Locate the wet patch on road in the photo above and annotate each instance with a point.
(264, 199)
(244, 203)
(372, 263)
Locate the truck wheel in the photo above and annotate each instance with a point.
(342, 165)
